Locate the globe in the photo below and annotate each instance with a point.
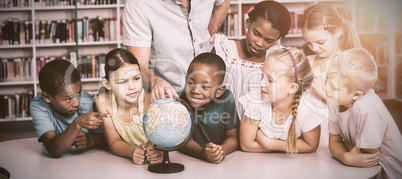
(168, 124)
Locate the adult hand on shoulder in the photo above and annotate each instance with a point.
(162, 89)
(356, 158)
(83, 141)
(214, 153)
(153, 155)
(139, 154)
(91, 120)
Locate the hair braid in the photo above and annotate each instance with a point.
(292, 136)
(304, 80)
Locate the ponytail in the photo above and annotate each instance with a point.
(350, 37)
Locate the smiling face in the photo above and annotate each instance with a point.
(66, 101)
(260, 36)
(323, 43)
(275, 85)
(126, 83)
(202, 85)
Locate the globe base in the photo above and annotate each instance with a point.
(166, 166)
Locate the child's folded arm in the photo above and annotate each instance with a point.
(248, 136)
(193, 149)
(356, 157)
(336, 147)
(57, 145)
(231, 143)
(306, 144)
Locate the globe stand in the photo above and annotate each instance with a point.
(166, 166)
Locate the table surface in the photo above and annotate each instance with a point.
(26, 158)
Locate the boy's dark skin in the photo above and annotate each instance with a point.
(65, 102)
(213, 153)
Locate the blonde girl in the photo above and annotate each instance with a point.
(125, 101)
(276, 118)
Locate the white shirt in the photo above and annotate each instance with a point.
(257, 109)
(174, 35)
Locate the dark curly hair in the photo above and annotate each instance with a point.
(56, 74)
(275, 13)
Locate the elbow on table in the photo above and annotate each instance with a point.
(314, 149)
(55, 154)
(246, 147)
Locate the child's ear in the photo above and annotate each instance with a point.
(46, 97)
(105, 83)
(219, 92)
(248, 22)
(357, 95)
(338, 32)
(294, 87)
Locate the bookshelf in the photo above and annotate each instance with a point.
(22, 82)
(375, 20)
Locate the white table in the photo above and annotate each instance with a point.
(26, 158)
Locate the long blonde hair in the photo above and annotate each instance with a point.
(304, 80)
(326, 17)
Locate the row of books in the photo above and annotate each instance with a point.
(89, 66)
(14, 3)
(295, 18)
(20, 69)
(16, 69)
(230, 25)
(15, 105)
(15, 32)
(44, 3)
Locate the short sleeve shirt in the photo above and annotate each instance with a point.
(174, 35)
(45, 119)
(213, 123)
(256, 109)
(369, 125)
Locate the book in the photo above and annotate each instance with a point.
(42, 31)
(52, 34)
(15, 32)
(100, 28)
(57, 35)
(48, 31)
(15, 105)
(21, 33)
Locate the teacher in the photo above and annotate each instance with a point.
(166, 35)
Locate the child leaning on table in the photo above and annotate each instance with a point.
(362, 131)
(62, 113)
(216, 121)
(125, 101)
(277, 116)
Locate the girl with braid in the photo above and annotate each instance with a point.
(277, 118)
